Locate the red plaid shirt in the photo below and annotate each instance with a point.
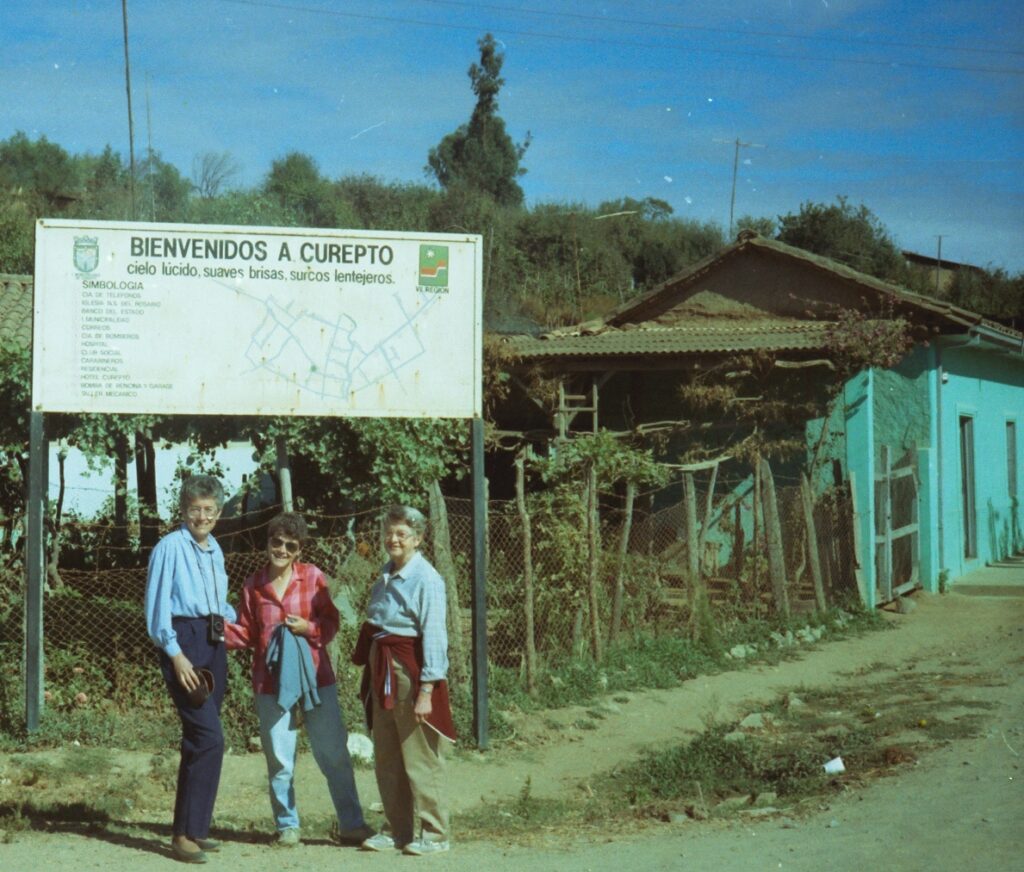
(261, 610)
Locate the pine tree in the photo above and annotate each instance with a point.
(480, 155)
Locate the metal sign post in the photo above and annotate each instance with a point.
(35, 570)
(480, 705)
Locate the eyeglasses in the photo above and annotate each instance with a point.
(400, 535)
(202, 512)
(292, 547)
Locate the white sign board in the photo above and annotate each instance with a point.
(200, 319)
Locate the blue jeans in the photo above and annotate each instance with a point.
(328, 738)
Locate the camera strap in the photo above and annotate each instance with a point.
(214, 606)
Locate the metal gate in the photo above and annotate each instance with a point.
(897, 550)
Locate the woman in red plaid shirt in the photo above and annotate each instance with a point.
(295, 595)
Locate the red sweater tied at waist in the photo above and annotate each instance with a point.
(383, 686)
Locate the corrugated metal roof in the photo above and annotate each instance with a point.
(700, 337)
(16, 311)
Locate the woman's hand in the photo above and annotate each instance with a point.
(184, 672)
(424, 706)
(297, 624)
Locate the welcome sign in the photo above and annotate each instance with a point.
(198, 319)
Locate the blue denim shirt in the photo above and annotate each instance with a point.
(184, 581)
(291, 663)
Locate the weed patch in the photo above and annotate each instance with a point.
(784, 758)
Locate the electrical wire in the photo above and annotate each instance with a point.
(621, 43)
(705, 28)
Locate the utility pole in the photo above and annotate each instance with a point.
(938, 264)
(735, 169)
(131, 128)
(149, 156)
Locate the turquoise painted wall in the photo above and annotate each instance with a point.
(986, 386)
(902, 413)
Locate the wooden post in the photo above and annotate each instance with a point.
(284, 474)
(145, 483)
(695, 586)
(524, 518)
(773, 532)
(858, 552)
(442, 541)
(883, 584)
(706, 523)
(594, 561)
(620, 571)
(758, 525)
(738, 540)
(120, 534)
(812, 542)
(53, 576)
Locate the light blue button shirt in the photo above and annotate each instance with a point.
(184, 581)
(411, 602)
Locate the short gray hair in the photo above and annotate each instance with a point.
(200, 487)
(406, 515)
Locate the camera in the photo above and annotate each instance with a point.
(214, 629)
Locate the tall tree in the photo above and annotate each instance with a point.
(848, 234)
(481, 155)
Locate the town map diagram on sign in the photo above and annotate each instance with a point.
(334, 358)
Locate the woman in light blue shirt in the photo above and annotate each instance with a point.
(404, 647)
(186, 607)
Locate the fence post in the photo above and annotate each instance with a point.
(757, 517)
(524, 517)
(442, 541)
(594, 561)
(697, 593)
(620, 581)
(812, 541)
(35, 569)
(773, 532)
(737, 539)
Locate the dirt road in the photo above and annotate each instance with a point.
(960, 807)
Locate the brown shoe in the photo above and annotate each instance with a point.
(186, 856)
(356, 836)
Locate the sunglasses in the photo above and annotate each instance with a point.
(290, 547)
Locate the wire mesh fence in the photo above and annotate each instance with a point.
(557, 587)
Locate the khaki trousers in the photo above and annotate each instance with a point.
(409, 761)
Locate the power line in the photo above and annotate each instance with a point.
(706, 28)
(621, 43)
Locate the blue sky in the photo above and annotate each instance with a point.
(912, 108)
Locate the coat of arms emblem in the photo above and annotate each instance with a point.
(87, 253)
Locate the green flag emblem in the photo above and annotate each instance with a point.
(434, 266)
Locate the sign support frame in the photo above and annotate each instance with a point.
(35, 569)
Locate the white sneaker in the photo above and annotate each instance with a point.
(379, 842)
(427, 845)
(288, 837)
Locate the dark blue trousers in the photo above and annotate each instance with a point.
(202, 740)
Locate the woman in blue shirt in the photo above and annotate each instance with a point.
(186, 606)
